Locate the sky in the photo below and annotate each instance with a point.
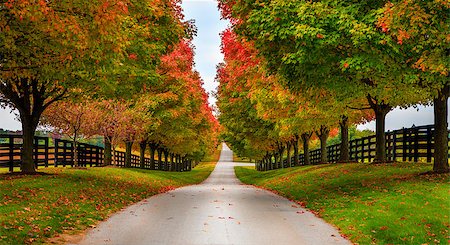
(208, 55)
(207, 42)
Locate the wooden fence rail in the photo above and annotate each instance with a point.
(61, 153)
(408, 144)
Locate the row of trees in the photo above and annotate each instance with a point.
(120, 69)
(298, 67)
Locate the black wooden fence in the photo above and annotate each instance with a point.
(62, 154)
(408, 144)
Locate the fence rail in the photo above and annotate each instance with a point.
(408, 144)
(62, 153)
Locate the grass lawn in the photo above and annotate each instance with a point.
(67, 201)
(378, 204)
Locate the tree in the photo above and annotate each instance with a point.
(331, 45)
(247, 133)
(51, 48)
(72, 119)
(418, 32)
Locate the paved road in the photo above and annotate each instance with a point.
(221, 210)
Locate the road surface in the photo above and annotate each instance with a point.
(221, 210)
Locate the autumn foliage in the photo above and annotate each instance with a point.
(123, 69)
(310, 66)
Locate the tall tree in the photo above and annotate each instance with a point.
(418, 32)
(51, 48)
(330, 44)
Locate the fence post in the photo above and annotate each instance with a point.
(389, 146)
(410, 146)
(351, 150)
(11, 153)
(56, 143)
(36, 152)
(404, 142)
(394, 146)
(64, 153)
(416, 145)
(356, 151)
(429, 147)
(97, 156)
(46, 152)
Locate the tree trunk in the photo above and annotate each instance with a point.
(344, 149)
(30, 98)
(281, 152)
(288, 153)
(128, 147)
(305, 138)
(76, 162)
(142, 147)
(178, 162)
(381, 110)
(28, 130)
(172, 163)
(441, 132)
(160, 161)
(108, 151)
(276, 161)
(166, 160)
(152, 155)
(295, 144)
(323, 134)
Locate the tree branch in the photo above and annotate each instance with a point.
(359, 108)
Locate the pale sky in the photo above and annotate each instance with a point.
(208, 55)
(207, 42)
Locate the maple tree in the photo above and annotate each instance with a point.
(331, 45)
(418, 32)
(70, 118)
(110, 48)
(289, 116)
(248, 134)
(189, 127)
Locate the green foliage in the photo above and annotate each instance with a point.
(379, 204)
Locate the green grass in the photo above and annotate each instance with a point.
(370, 204)
(34, 208)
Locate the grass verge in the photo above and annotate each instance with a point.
(370, 204)
(35, 208)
